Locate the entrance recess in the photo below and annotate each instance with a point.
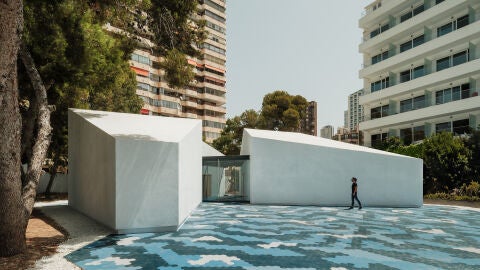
(225, 178)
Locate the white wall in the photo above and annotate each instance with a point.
(209, 151)
(147, 184)
(293, 173)
(91, 156)
(60, 184)
(134, 173)
(190, 173)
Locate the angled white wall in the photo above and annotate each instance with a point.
(134, 173)
(208, 151)
(299, 169)
(91, 166)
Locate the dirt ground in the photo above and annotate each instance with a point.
(43, 237)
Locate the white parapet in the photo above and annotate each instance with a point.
(297, 169)
(134, 173)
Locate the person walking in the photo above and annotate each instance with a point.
(355, 194)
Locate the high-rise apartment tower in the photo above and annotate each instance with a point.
(205, 98)
(326, 132)
(309, 124)
(421, 68)
(355, 110)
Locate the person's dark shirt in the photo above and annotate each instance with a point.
(354, 185)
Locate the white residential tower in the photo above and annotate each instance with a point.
(421, 68)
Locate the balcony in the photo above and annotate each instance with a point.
(422, 83)
(212, 98)
(187, 103)
(189, 115)
(191, 93)
(373, 12)
(163, 111)
(470, 104)
(213, 118)
(211, 85)
(427, 17)
(219, 109)
(443, 43)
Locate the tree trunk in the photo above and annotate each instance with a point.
(28, 131)
(12, 219)
(42, 139)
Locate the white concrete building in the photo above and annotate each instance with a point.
(421, 68)
(355, 110)
(134, 173)
(297, 169)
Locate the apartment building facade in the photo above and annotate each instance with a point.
(309, 124)
(348, 135)
(355, 110)
(421, 68)
(326, 132)
(205, 98)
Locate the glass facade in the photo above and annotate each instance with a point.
(411, 13)
(452, 26)
(140, 59)
(458, 127)
(452, 60)
(379, 85)
(412, 104)
(378, 139)
(379, 57)
(379, 112)
(379, 30)
(461, 127)
(225, 178)
(440, 127)
(452, 94)
(412, 43)
(410, 135)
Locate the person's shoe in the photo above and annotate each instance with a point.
(360, 207)
(350, 208)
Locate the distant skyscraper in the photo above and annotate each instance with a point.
(309, 124)
(355, 110)
(345, 119)
(326, 132)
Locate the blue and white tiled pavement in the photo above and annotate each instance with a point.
(242, 236)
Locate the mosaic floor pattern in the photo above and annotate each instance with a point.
(242, 236)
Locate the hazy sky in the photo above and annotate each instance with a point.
(306, 47)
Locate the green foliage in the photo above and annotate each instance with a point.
(451, 197)
(230, 140)
(390, 144)
(84, 66)
(473, 143)
(447, 161)
(171, 27)
(177, 74)
(472, 189)
(281, 111)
